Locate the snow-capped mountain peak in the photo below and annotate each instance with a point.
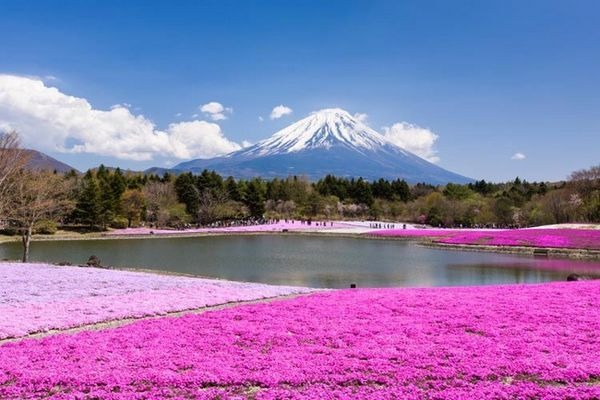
(329, 141)
(321, 130)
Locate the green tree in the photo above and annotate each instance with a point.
(232, 189)
(134, 205)
(187, 193)
(503, 209)
(88, 206)
(382, 189)
(360, 191)
(314, 204)
(118, 184)
(255, 197)
(457, 192)
(401, 190)
(107, 202)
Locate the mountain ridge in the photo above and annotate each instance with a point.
(329, 141)
(38, 161)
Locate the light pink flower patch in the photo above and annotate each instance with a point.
(40, 297)
(504, 342)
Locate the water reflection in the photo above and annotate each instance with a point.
(312, 261)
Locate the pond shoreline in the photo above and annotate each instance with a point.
(550, 252)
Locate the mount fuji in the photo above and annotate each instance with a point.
(329, 141)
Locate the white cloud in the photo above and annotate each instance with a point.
(246, 143)
(518, 156)
(121, 105)
(361, 117)
(199, 139)
(48, 119)
(280, 111)
(260, 119)
(216, 111)
(414, 139)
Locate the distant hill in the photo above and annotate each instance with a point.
(161, 171)
(43, 162)
(330, 141)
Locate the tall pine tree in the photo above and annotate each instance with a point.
(88, 207)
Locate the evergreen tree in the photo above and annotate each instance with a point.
(107, 202)
(187, 193)
(88, 207)
(118, 185)
(382, 189)
(457, 192)
(255, 198)
(360, 191)
(401, 190)
(232, 189)
(102, 173)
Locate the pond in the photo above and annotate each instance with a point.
(329, 262)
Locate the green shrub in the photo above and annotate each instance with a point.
(9, 231)
(119, 223)
(45, 227)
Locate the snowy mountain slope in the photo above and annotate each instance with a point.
(322, 129)
(329, 141)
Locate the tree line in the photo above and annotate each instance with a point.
(102, 198)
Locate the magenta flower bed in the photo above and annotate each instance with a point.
(533, 341)
(431, 233)
(555, 238)
(39, 297)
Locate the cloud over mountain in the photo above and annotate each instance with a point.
(413, 138)
(51, 120)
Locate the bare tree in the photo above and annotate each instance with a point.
(209, 206)
(587, 184)
(36, 196)
(555, 203)
(12, 160)
(591, 174)
(161, 198)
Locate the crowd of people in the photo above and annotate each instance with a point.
(256, 221)
(380, 225)
(309, 222)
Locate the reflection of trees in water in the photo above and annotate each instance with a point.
(535, 271)
(312, 261)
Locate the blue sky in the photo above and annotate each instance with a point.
(490, 79)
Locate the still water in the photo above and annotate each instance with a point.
(310, 261)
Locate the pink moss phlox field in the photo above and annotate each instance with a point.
(502, 342)
(277, 227)
(40, 297)
(555, 238)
